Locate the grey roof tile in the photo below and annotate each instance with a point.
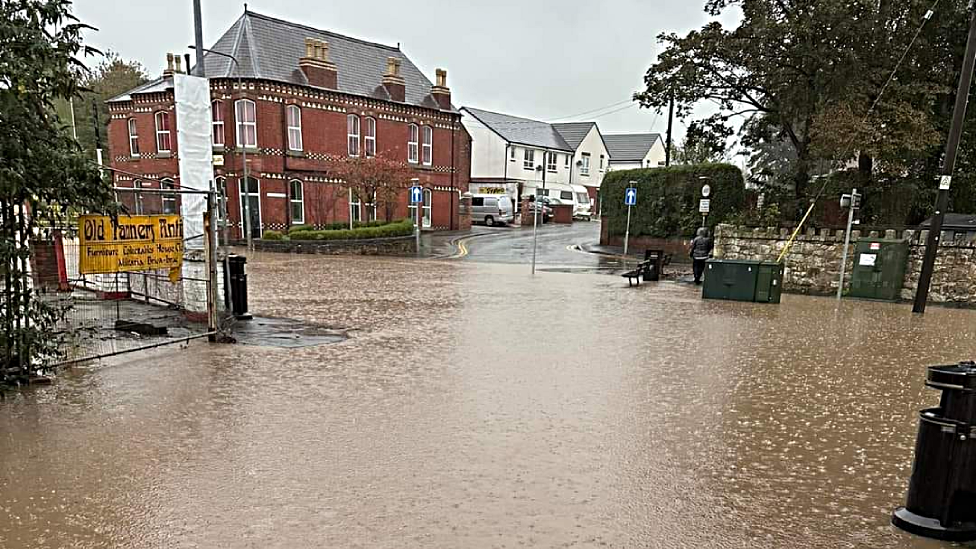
(523, 131)
(574, 132)
(630, 147)
(269, 48)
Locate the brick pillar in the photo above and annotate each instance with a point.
(527, 215)
(464, 213)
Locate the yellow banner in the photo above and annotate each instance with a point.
(132, 243)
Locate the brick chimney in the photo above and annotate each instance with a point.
(440, 92)
(318, 69)
(169, 65)
(393, 82)
(176, 58)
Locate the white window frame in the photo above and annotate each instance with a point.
(601, 162)
(511, 154)
(163, 133)
(352, 134)
(355, 207)
(369, 145)
(428, 146)
(168, 199)
(585, 166)
(551, 162)
(133, 138)
(294, 130)
(217, 120)
(243, 122)
(241, 182)
(569, 157)
(428, 211)
(300, 201)
(220, 185)
(528, 159)
(413, 152)
(370, 209)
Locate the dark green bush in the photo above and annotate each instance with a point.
(667, 199)
(300, 228)
(272, 235)
(385, 230)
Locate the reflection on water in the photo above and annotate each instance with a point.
(474, 406)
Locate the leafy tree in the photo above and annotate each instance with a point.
(44, 176)
(807, 72)
(376, 180)
(111, 77)
(704, 143)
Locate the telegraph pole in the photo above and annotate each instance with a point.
(948, 166)
(198, 39)
(667, 150)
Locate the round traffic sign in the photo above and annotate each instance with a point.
(706, 190)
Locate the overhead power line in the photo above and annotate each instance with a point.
(593, 110)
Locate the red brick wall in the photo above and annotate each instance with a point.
(324, 137)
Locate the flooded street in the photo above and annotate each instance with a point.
(476, 407)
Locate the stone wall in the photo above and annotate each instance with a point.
(813, 264)
(396, 246)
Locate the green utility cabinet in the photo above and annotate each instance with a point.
(879, 269)
(743, 280)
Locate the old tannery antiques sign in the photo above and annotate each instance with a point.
(130, 243)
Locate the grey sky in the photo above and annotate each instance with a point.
(543, 60)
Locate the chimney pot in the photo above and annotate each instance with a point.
(393, 82)
(441, 78)
(440, 92)
(309, 47)
(316, 66)
(325, 51)
(169, 65)
(178, 62)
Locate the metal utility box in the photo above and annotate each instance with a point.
(879, 269)
(743, 280)
(769, 282)
(730, 279)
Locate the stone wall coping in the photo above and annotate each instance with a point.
(915, 237)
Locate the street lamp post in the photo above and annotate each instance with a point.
(246, 222)
(538, 206)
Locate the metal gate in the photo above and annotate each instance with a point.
(111, 314)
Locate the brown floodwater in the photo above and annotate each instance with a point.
(476, 407)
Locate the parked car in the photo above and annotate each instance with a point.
(492, 209)
(545, 211)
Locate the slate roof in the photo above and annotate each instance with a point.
(269, 49)
(522, 131)
(630, 147)
(574, 132)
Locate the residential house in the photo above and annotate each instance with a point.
(635, 150)
(309, 97)
(514, 155)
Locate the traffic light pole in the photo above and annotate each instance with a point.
(948, 166)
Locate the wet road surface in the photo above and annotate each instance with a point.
(476, 407)
(558, 246)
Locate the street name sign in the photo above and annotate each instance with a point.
(703, 205)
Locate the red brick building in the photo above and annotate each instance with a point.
(309, 97)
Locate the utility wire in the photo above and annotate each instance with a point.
(850, 144)
(593, 110)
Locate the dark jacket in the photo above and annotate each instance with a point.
(701, 247)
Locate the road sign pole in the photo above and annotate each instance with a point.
(948, 167)
(417, 231)
(627, 234)
(847, 243)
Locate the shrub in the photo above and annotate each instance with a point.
(272, 235)
(667, 199)
(385, 230)
(299, 228)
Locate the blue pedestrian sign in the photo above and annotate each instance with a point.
(630, 197)
(416, 195)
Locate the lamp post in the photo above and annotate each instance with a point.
(247, 195)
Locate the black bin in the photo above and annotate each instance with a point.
(656, 267)
(942, 491)
(236, 280)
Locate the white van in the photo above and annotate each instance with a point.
(570, 194)
(492, 209)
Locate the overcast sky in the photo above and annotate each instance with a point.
(544, 60)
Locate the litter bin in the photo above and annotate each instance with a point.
(656, 267)
(236, 279)
(942, 491)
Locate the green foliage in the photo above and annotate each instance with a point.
(370, 230)
(801, 76)
(341, 225)
(272, 235)
(298, 229)
(42, 169)
(667, 199)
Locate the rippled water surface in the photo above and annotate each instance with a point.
(476, 407)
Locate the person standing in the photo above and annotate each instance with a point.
(701, 250)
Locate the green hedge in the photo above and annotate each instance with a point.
(272, 235)
(667, 199)
(340, 226)
(385, 230)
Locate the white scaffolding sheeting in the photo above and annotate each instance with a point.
(195, 139)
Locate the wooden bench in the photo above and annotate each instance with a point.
(637, 273)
